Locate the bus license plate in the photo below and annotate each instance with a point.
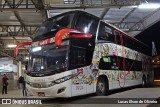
(42, 94)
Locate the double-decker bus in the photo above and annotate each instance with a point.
(76, 53)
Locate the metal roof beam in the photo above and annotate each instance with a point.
(21, 4)
(6, 54)
(17, 16)
(83, 4)
(147, 21)
(104, 13)
(19, 19)
(40, 6)
(126, 16)
(17, 30)
(13, 49)
(18, 9)
(2, 38)
(126, 25)
(85, 7)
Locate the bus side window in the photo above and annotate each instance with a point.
(105, 63)
(124, 41)
(118, 38)
(138, 47)
(105, 33)
(130, 43)
(139, 66)
(87, 24)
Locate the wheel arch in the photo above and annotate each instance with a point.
(105, 78)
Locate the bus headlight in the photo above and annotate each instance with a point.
(62, 79)
(29, 83)
(51, 84)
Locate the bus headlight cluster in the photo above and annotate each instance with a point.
(62, 79)
(40, 85)
(52, 83)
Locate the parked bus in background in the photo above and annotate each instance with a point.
(76, 53)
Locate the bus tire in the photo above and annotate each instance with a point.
(143, 81)
(102, 87)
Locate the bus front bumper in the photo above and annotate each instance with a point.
(53, 91)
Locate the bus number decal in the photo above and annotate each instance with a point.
(79, 87)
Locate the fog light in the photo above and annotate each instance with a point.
(61, 90)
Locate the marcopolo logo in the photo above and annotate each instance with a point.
(6, 101)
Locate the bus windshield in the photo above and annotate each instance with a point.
(54, 24)
(48, 59)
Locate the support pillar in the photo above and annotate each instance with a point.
(19, 69)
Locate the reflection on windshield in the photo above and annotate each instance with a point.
(51, 25)
(48, 58)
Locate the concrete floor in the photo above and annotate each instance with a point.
(76, 101)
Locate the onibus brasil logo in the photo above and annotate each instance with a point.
(21, 101)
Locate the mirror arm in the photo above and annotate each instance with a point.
(20, 45)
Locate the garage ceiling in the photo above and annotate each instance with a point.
(21, 18)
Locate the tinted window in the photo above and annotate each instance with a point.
(125, 41)
(105, 32)
(108, 63)
(87, 24)
(79, 57)
(118, 38)
(53, 24)
(119, 63)
(105, 63)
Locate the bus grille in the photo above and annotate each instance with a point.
(39, 85)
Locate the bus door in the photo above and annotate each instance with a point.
(81, 53)
(80, 58)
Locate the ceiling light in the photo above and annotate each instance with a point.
(27, 58)
(149, 6)
(11, 45)
(133, 6)
(35, 49)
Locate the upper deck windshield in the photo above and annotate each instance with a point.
(52, 25)
(48, 59)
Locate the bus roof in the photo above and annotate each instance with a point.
(74, 11)
(80, 11)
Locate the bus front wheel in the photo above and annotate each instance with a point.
(102, 87)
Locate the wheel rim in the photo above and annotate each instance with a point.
(100, 87)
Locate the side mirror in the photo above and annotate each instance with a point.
(66, 33)
(20, 45)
